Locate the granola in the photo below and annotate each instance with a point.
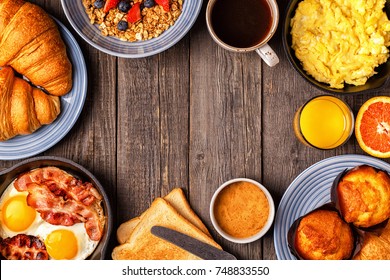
(152, 22)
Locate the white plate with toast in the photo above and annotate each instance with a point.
(71, 106)
(311, 189)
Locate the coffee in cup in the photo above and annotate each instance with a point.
(244, 25)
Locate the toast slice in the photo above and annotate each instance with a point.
(125, 229)
(178, 200)
(143, 245)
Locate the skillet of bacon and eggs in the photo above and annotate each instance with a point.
(47, 213)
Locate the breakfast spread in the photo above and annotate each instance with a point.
(30, 44)
(241, 209)
(49, 210)
(323, 235)
(47, 213)
(341, 42)
(133, 20)
(172, 211)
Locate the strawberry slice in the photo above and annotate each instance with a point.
(134, 14)
(110, 4)
(164, 4)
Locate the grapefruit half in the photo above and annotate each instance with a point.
(372, 127)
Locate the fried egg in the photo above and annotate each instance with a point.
(62, 242)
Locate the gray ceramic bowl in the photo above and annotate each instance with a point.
(8, 175)
(375, 83)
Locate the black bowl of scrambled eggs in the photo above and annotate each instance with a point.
(339, 48)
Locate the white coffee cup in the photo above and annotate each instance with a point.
(261, 47)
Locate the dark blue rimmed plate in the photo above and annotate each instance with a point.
(78, 18)
(71, 106)
(310, 190)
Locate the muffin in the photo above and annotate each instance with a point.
(363, 196)
(323, 235)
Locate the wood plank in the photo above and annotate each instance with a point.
(153, 127)
(225, 124)
(138, 149)
(174, 106)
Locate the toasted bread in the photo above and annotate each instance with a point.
(125, 229)
(142, 244)
(178, 200)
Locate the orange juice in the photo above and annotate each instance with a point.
(324, 122)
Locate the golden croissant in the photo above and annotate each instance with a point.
(375, 247)
(31, 44)
(24, 108)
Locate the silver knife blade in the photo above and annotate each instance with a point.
(190, 244)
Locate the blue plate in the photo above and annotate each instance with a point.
(310, 190)
(78, 18)
(71, 106)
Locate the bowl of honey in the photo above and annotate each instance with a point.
(242, 210)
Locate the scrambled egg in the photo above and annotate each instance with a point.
(341, 41)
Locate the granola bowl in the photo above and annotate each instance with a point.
(131, 45)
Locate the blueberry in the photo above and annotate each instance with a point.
(149, 3)
(124, 6)
(122, 25)
(99, 4)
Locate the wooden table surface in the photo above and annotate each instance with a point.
(193, 116)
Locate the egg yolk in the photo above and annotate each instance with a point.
(17, 215)
(61, 244)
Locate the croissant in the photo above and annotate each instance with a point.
(23, 108)
(31, 44)
(375, 247)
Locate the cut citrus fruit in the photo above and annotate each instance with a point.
(372, 128)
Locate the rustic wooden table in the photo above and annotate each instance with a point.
(193, 117)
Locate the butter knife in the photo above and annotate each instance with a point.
(190, 244)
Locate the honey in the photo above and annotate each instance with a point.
(241, 209)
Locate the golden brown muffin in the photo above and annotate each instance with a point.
(363, 195)
(323, 235)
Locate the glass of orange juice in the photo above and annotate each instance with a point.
(324, 122)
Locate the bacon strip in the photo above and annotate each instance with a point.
(61, 199)
(23, 247)
(61, 183)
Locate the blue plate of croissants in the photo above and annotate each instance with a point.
(43, 81)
